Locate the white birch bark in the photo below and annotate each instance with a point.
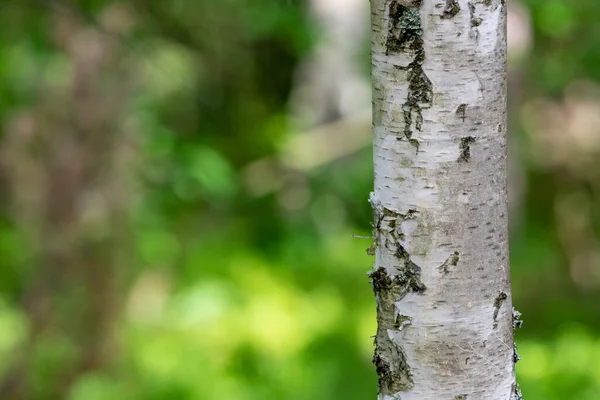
(441, 276)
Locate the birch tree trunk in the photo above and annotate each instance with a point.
(441, 276)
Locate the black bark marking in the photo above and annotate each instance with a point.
(378, 216)
(404, 35)
(465, 148)
(460, 397)
(409, 274)
(450, 261)
(452, 8)
(461, 111)
(502, 296)
(420, 93)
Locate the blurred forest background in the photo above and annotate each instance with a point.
(181, 180)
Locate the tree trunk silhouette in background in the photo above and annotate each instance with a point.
(441, 275)
(70, 160)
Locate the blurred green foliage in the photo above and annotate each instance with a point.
(230, 294)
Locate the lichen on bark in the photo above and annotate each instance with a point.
(404, 29)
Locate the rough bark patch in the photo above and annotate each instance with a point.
(389, 358)
(420, 94)
(497, 304)
(465, 148)
(452, 8)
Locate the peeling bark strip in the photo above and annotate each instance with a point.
(516, 392)
(440, 226)
(517, 322)
(516, 357)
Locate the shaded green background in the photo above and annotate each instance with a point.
(155, 244)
